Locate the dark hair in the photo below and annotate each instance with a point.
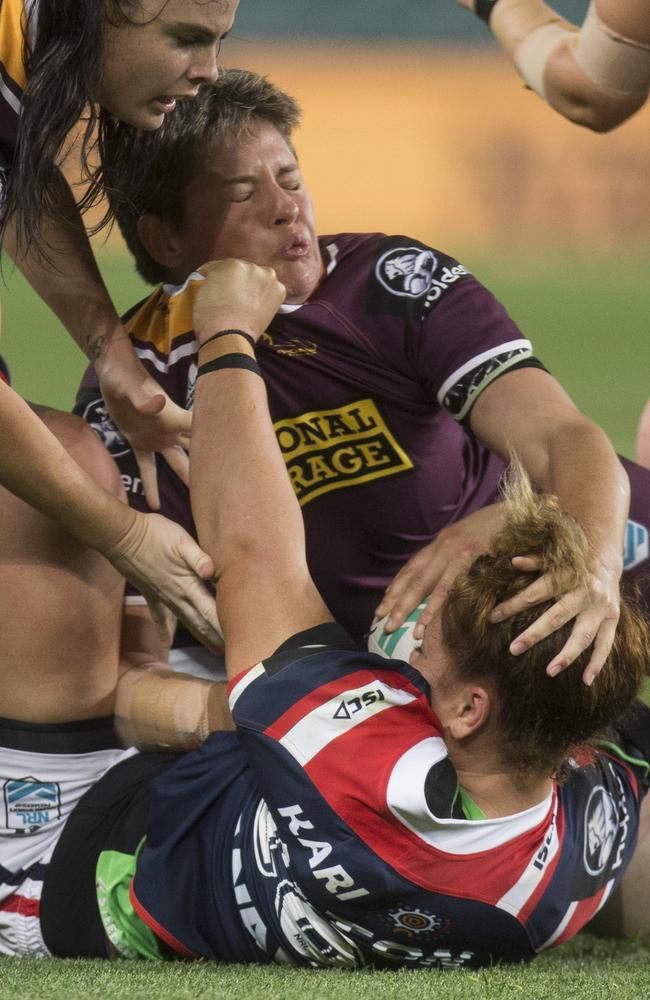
(541, 718)
(63, 68)
(148, 172)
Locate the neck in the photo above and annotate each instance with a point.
(494, 789)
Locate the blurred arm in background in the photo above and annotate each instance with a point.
(596, 75)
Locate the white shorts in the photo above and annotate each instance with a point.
(38, 791)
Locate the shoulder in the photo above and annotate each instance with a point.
(400, 275)
(164, 319)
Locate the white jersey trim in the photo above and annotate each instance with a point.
(405, 796)
(522, 345)
(338, 715)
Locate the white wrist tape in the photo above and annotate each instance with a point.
(531, 55)
(616, 65)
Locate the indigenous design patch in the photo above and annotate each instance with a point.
(417, 921)
(329, 449)
(30, 803)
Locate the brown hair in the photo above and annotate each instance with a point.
(541, 718)
(148, 172)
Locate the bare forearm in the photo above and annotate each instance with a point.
(585, 473)
(238, 479)
(67, 278)
(35, 466)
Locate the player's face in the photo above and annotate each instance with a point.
(162, 54)
(248, 201)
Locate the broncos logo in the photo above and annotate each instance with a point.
(407, 271)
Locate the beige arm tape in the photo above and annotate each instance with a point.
(159, 708)
(616, 65)
(531, 55)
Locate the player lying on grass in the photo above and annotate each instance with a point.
(397, 384)
(366, 812)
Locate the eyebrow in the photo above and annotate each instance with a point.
(251, 178)
(196, 30)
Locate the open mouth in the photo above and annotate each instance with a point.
(297, 246)
(165, 103)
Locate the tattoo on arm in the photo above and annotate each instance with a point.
(94, 347)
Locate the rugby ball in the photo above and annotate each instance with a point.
(397, 645)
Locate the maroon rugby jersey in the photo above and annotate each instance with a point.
(369, 385)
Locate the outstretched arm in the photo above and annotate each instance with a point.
(527, 412)
(246, 512)
(67, 278)
(596, 75)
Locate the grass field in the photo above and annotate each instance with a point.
(588, 320)
(585, 969)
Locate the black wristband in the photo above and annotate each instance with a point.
(226, 333)
(230, 361)
(484, 8)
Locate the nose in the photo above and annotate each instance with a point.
(285, 208)
(205, 69)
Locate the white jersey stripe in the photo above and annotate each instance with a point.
(518, 896)
(339, 715)
(10, 97)
(184, 351)
(492, 352)
(560, 928)
(240, 686)
(405, 796)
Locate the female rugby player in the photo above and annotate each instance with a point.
(130, 60)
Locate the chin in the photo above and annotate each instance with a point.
(141, 118)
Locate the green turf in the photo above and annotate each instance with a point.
(585, 969)
(588, 319)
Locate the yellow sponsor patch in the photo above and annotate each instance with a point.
(329, 449)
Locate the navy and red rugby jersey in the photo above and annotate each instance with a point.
(335, 833)
(369, 385)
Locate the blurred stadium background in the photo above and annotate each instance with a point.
(415, 123)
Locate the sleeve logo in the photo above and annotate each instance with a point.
(406, 271)
(601, 821)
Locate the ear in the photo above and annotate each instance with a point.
(160, 240)
(470, 713)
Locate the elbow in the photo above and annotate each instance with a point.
(595, 117)
(570, 92)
